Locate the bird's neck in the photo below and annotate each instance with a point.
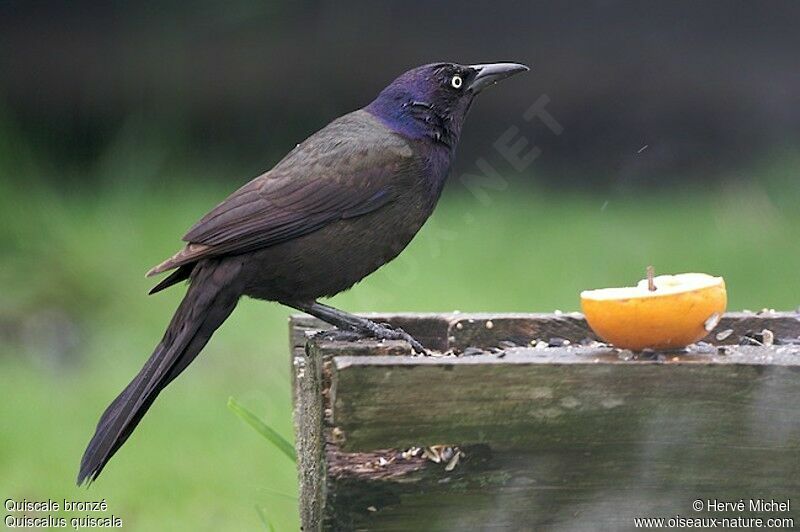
(415, 119)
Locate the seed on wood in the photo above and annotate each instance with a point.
(558, 342)
(411, 452)
(372, 509)
(767, 337)
(712, 321)
(447, 454)
(722, 335)
(541, 344)
(430, 453)
(751, 338)
(702, 347)
(459, 325)
(625, 354)
(489, 324)
(453, 462)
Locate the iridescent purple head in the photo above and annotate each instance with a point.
(432, 101)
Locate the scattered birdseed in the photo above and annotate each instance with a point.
(702, 348)
(472, 351)
(410, 453)
(625, 354)
(433, 453)
(767, 337)
(712, 321)
(752, 338)
(454, 461)
(372, 509)
(722, 335)
(446, 454)
(489, 324)
(459, 325)
(558, 342)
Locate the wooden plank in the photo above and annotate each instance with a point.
(537, 399)
(574, 439)
(430, 329)
(571, 438)
(490, 330)
(308, 416)
(459, 331)
(561, 489)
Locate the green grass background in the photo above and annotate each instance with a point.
(76, 323)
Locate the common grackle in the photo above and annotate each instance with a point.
(335, 209)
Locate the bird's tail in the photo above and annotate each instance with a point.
(212, 296)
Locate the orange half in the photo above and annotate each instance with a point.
(683, 309)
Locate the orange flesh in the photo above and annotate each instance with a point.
(634, 318)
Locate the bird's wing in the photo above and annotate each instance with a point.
(348, 169)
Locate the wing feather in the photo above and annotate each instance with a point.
(336, 174)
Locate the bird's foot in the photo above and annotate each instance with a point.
(379, 331)
(350, 327)
(384, 331)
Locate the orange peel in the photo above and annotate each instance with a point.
(682, 309)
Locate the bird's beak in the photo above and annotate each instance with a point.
(491, 73)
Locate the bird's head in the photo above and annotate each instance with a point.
(432, 101)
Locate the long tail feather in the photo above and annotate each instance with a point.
(212, 296)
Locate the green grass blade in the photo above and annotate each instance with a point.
(262, 513)
(268, 432)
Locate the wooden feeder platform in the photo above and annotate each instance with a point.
(526, 422)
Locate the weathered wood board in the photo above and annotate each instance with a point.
(568, 438)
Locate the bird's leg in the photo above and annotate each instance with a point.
(349, 323)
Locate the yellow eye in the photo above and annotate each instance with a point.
(456, 82)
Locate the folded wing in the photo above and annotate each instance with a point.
(334, 175)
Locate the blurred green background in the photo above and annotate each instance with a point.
(121, 125)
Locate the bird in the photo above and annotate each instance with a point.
(339, 206)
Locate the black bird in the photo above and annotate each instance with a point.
(335, 209)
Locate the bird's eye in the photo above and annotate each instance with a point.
(456, 82)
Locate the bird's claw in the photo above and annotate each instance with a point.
(388, 332)
(382, 331)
